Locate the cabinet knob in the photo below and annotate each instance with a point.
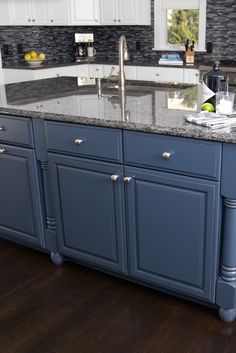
(78, 141)
(119, 20)
(1, 128)
(114, 177)
(2, 150)
(166, 155)
(114, 20)
(51, 20)
(33, 20)
(29, 20)
(157, 74)
(127, 179)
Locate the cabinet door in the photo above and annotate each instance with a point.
(191, 76)
(5, 14)
(58, 12)
(126, 12)
(20, 12)
(173, 231)
(29, 12)
(95, 71)
(89, 211)
(20, 216)
(39, 12)
(108, 12)
(160, 74)
(84, 12)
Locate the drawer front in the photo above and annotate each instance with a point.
(84, 141)
(159, 74)
(181, 155)
(16, 130)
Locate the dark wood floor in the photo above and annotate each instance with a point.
(72, 309)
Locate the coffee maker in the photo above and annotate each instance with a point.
(82, 42)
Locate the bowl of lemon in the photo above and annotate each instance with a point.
(34, 59)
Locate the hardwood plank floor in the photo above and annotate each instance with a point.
(72, 309)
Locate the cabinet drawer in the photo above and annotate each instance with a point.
(16, 130)
(159, 74)
(85, 141)
(182, 155)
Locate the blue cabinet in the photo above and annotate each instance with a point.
(20, 215)
(89, 205)
(173, 231)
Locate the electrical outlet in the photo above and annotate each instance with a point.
(5, 49)
(138, 45)
(19, 49)
(209, 47)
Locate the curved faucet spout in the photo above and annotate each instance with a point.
(123, 55)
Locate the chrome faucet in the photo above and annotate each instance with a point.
(123, 55)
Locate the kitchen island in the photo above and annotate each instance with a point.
(121, 183)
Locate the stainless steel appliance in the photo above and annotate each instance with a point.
(83, 41)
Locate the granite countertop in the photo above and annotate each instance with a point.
(48, 65)
(225, 65)
(145, 107)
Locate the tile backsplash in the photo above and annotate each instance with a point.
(58, 42)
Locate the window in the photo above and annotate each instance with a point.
(179, 20)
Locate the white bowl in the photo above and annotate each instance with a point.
(34, 62)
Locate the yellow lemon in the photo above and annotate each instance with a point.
(27, 56)
(208, 107)
(34, 55)
(41, 56)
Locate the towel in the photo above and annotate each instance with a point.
(211, 120)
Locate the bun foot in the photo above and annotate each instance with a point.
(56, 258)
(227, 315)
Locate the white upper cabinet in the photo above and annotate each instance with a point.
(125, 12)
(108, 12)
(38, 12)
(4, 13)
(75, 12)
(58, 12)
(84, 12)
(28, 12)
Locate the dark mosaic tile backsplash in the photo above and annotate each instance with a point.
(58, 42)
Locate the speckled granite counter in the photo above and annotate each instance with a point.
(48, 65)
(151, 108)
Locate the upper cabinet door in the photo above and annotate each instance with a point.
(58, 12)
(4, 13)
(108, 12)
(142, 12)
(39, 12)
(84, 12)
(28, 12)
(20, 12)
(126, 12)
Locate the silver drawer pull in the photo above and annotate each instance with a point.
(2, 150)
(166, 155)
(1, 128)
(127, 179)
(114, 177)
(78, 141)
